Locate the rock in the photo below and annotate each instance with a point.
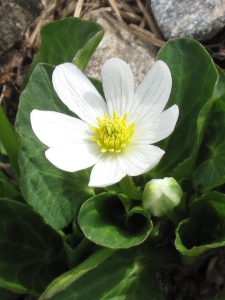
(119, 42)
(15, 17)
(200, 19)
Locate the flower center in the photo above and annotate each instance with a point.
(113, 134)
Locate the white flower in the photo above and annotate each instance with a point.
(115, 136)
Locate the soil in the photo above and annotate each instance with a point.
(202, 282)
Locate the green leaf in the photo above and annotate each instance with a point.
(9, 142)
(55, 194)
(65, 280)
(7, 190)
(194, 77)
(105, 220)
(3, 155)
(128, 274)
(220, 87)
(205, 229)
(31, 253)
(211, 170)
(67, 40)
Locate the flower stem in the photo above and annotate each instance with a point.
(174, 217)
(9, 141)
(130, 189)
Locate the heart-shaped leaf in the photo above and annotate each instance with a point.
(67, 40)
(105, 220)
(194, 77)
(55, 194)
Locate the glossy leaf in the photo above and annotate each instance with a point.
(105, 220)
(211, 170)
(55, 194)
(128, 274)
(67, 40)
(31, 253)
(194, 76)
(205, 229)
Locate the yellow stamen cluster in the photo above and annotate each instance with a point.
(113, 134)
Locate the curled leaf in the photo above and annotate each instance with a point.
(106, 221)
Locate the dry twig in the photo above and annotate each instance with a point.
(130, 13)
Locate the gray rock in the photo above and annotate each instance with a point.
(199, 19)
(15, 17)
(119, 42)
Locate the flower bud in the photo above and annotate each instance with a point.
(161, 195)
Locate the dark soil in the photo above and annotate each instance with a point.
(205, 281)
(13, 67)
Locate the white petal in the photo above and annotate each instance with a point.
(78, 93)
(53, 128)
(118, 86)
(139, 159)
(107, 171)
(158, 129)
(152, 94)
(74, 157)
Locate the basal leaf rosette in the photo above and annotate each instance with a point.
(115, 136)
(205, 229)
(107, 220)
